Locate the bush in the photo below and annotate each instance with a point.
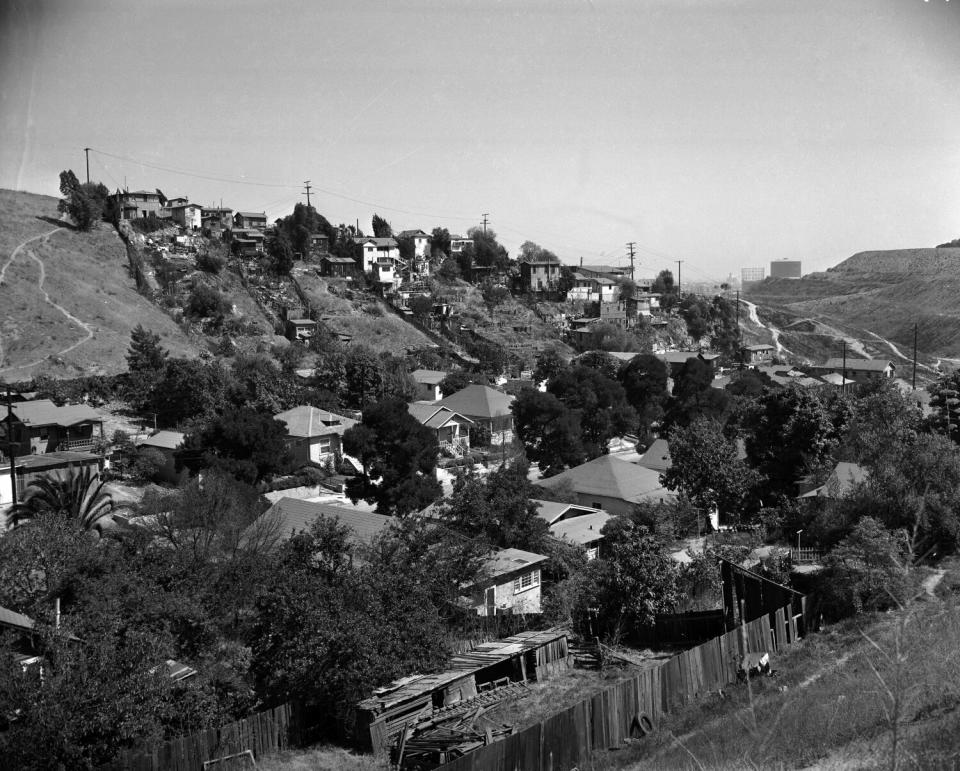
(206, 301)
(149, 224)
(210, 263)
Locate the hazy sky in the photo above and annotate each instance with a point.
(722, 133)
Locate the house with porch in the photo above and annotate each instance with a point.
(509, 583)
(39, 426)
(459, 243)
(486, 407)
(216, 218)
(676, 359)
(451, 429)
(313, 435)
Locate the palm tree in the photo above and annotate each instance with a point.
(79, 496)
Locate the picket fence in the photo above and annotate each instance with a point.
(264, 733)
(604, 720)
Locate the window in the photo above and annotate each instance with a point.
(324, 445)
(526, 581)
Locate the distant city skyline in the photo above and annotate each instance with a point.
(725, 134)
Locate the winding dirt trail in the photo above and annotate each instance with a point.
(88, 330)
(774, 332)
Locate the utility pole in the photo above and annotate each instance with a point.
(307, 185)
(679, 263)
(631, 246)
(485, 221)
(915, 356)
(86, 151)
(739, 333)
(11, 448)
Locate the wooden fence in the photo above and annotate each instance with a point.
(264, 733)
(604, 720)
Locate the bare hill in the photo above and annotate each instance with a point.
(873, 299)
(67, 299)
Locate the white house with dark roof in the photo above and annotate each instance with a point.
(612, 484)
(509, 583)
(185, 214)
(313, 435)
(485, 406)
(451, 428)
(381, 256)
(421, 242)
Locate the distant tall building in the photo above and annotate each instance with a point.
(750, 275)
(785, 269)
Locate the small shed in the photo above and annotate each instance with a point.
(523, 657)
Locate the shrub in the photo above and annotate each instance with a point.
(206, 301)
(210, 263)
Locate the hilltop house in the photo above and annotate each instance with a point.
(676, 359)
(313, 435)
(185, 214)
(539, 273)
(572, 523)
(858, 370)
(250, 220)
(611, 484)
(216, 218)
(593, 289)
(381, 256)
(428, 383)
(338, 267)
(301, 329)
(486, 407)
(510, 583)
(451, 428)
(39, 426)
(421, 242)
(757, 354)
(459, 243)
(140, 203)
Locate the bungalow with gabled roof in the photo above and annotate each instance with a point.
(250, 220)
(313, 435)
(451, 428)
(858, 370)
(40, 426)
(486, 407)
(611, 484)
(573, 523)
(428, 383)
(509, 583)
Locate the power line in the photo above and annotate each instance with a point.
(307, 186)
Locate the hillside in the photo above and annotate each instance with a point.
(67, 299)
(871, 299)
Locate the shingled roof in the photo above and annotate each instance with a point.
(612, 477)
(478, 401)
(297, 516)
(43, 412)
(307, 421)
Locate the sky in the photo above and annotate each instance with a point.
(725, 134)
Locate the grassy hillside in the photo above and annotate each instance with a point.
(882, 292)
(67, 299)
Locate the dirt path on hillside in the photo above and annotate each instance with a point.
(88, 330)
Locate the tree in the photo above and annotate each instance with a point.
(706, 469)
(644, 380)
(604, 363)
(79, 496)
(664, 284)
(242, 442)
(186, 389)
(694, 394)
(363, 376)
(632, 582)
(599, 404)
(487, 251)
(280, 252)
(206, 302)
(550, 432)
(494, 295)
(440, 243)
(549, 363)
(422, 308)
(492, 359)
(449, 269)
(381, 228)
(84, 203)
(455, 381)
(145, 353)
(399, 458)
(945, 405)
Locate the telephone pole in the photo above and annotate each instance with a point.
(679, 263)
(739, 333)
(914, 356)
(843, 376)
(631, 246)
(86, 151)
(11, 449)
(307, 186)
(485, 220)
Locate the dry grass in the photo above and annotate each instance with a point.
(843, 691)
(87, 274)
(322, 759)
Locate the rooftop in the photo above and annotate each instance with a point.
(43, 412)
(859, 365)
(478, 401)
(433, 415)
(307, 421)
(166, 440)
(657, 456)
(504, 561)
(581, 530)
(56, 460)
(614, 478)
(553, 511)
(297, 516)
(428, 376)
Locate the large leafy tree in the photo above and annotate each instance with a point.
(549, 363)
(363, 376)
(85, 203)
(145, 353)
(549, 430)
(644, 380)
(78, 496)
(186, 389)
(945, 405)
(243, 442)
(399, 458)
(280, 252)
(792, 432)
(487, 251)
(706, 469)
(694, 394)
(381, 228)
(599, 403)
(440, 242)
